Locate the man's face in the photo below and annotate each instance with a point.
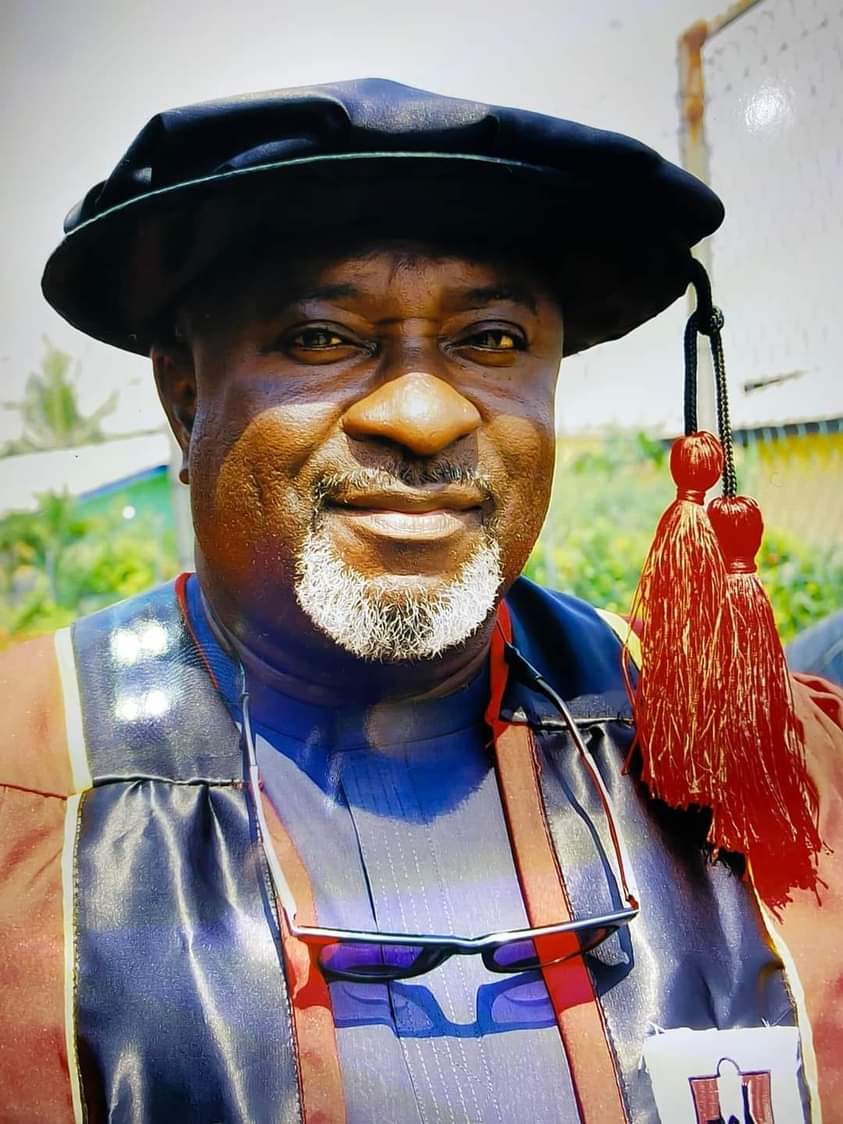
(372, 436)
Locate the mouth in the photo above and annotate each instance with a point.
(411, 514)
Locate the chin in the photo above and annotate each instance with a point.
(392, 617)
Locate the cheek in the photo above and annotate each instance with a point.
(527, 451)
(251, 507)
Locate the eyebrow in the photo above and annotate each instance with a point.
(328, 293)
(491, 293)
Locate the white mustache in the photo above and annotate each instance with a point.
(332, 486)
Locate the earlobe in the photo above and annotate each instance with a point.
(175, 379)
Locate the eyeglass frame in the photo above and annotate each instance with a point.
(316, 936)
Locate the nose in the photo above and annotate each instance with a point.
(423, 413)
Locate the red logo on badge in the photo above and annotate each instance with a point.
(755, 1091)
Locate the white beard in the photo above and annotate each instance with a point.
(381, 619)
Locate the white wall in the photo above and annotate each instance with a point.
(774, 120)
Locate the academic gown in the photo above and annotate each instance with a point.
(145, 970)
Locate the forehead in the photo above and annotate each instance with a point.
(390, 271)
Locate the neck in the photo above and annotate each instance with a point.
(293, 657)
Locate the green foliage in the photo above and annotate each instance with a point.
(605, 507)
(804, 586)
(57, 563)
(50, 409)
(618, 451)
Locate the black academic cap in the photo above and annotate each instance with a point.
(608, 217)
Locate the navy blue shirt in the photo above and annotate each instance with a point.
(396, 814)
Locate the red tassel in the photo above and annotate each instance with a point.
(764, 803)
(678, 601)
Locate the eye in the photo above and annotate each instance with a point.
(318, 339)
(315, 343)
(495, 339)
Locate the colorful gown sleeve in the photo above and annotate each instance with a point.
(37, 798)
(811, 926)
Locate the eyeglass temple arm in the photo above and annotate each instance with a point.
(282, 886)
(624, 872)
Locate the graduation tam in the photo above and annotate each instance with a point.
(613, 217)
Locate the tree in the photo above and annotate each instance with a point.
(59, 562)
(38, 540)
(50, 409)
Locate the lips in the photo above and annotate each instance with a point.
(445, 497)
(421, 514)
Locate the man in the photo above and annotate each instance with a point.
(259, 825)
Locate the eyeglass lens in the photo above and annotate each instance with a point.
(377, 961)
(541, 952)
(394, 962)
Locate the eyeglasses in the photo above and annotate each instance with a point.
(367, 957)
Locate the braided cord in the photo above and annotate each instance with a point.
(691, 375)
(724, 425)
(708, 320)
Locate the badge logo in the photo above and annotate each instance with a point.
(744, 1075)
(754, 1096)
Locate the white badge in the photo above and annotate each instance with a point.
(748, 1076)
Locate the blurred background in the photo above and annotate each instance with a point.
(750, 98)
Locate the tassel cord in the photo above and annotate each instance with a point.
(724, 425)
(708, 320)
(691, 329)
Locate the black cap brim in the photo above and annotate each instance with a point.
(619, 248)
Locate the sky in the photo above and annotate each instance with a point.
(78, 81)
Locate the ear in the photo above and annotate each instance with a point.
(175, 378)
